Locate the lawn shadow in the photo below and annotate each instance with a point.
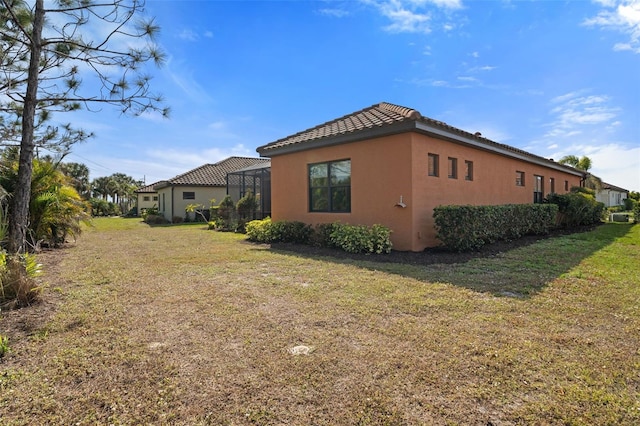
(517, 269)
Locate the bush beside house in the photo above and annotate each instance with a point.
(350, 238)
(464, 228)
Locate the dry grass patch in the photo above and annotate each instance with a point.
(179, 325)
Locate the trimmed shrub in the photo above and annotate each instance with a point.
(361, 239)
(321, 236)
(266, 231)
(466, 228)
(350, 238)
(154, 219)
(260, 231)
(636, 213)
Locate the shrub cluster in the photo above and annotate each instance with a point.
(267, 231)
(350, 238)
(636, 213)
(100, 207)
(361, 239)
(465, 228)
(577, 208)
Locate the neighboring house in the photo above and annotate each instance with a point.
(611, 195)
(388, 164)
(146, 198)
(198, 186)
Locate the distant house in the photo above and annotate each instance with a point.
(198, 186)
(146, 198)
(611, 195)
(388, 164)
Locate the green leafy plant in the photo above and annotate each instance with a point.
(577, 208)
(4, 345)
(467, 228)
(361, 239)
(224, 217)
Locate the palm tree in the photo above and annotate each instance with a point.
(99, 187)
(79, 174)
(583, 163)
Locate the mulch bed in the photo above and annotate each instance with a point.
(430, 256)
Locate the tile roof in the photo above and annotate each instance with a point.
(383, 119)
(379, 115)
(146, 189)
(613, 187)
(212, 174)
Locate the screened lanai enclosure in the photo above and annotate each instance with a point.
(255, 179)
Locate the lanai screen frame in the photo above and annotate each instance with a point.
(254, 179)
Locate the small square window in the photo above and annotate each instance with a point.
(519, 178)
(468, 172)
(453, 168)
(433, 165)
(155, 198)
(145, 198)
(188, 195)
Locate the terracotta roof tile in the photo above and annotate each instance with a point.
(146, 189)
(378, 115)
(213, 174)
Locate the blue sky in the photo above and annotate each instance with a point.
(550, 77)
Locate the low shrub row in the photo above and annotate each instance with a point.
(465, 228)
(350, 238)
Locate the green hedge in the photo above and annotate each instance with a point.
(577, 208)
(350, 238)
(465, 228)
(266, 231)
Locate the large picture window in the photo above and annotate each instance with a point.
(330, 187)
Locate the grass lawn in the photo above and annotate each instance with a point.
(180, 325)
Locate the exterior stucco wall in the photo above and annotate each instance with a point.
(494, 182)
(611, 197)
(380, 174)
(386, 168)
(142, 204)
(172, 204)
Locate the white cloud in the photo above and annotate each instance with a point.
(183, 78)
(622, 16)
(335, 13)
(614, 163)
(413, 16)
(575, 112)
(483, 68)
(406, 21)
(188, 35)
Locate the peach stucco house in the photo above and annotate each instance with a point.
(388, 164)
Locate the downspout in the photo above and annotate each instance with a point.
(172, 206)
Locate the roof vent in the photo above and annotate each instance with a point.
(477, 134)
